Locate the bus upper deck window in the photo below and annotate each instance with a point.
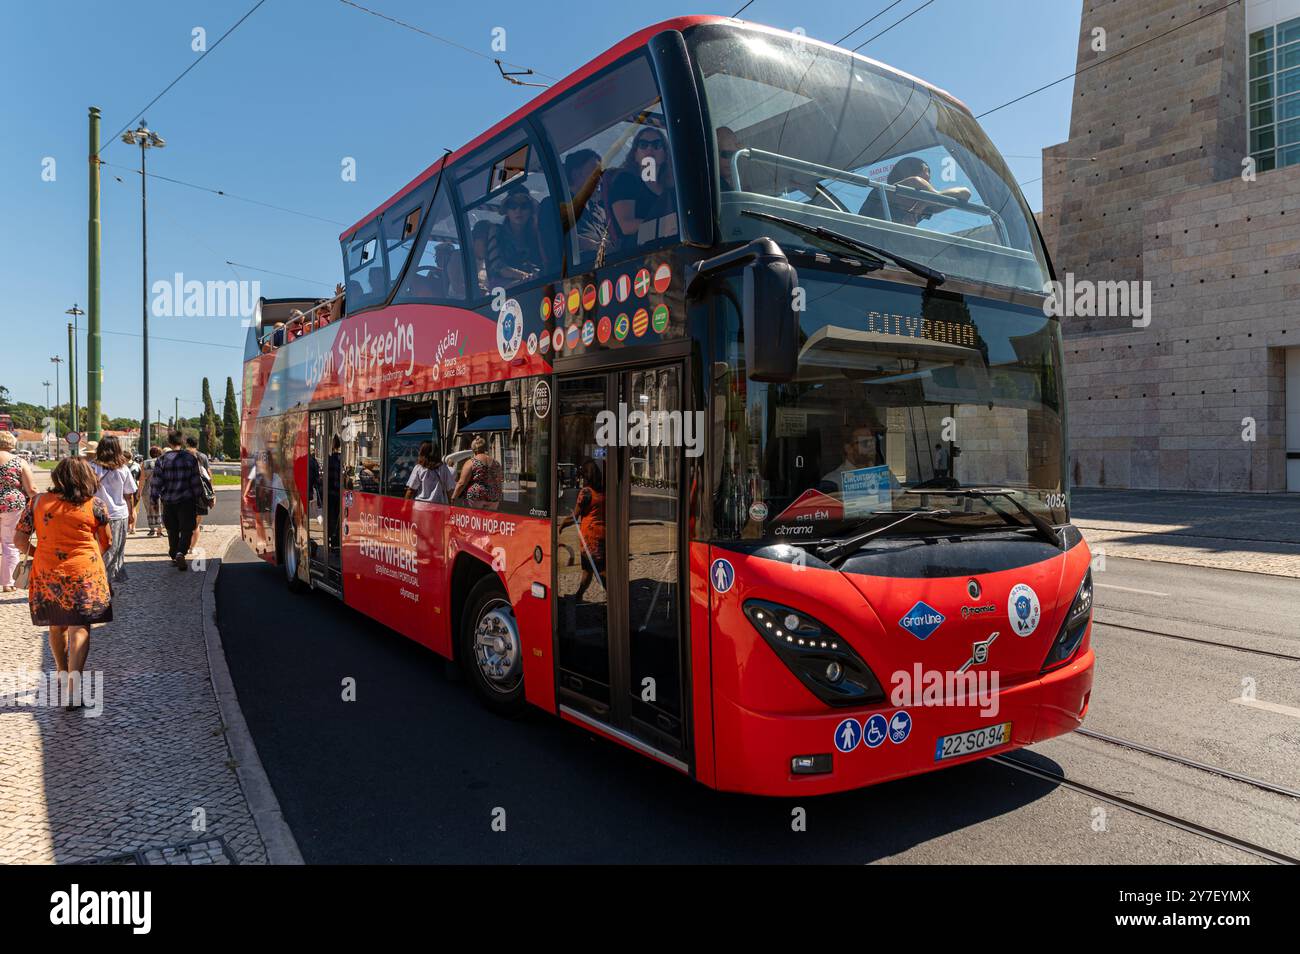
(619, 194)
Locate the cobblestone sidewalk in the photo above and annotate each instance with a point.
(153, 771)
(1256, 533)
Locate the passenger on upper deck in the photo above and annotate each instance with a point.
(514, 252)
(586, 185)
(643, 192)
(914, 173)
(478, 238)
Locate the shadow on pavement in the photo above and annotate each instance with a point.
(412, 770)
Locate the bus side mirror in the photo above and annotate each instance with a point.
(768, 316)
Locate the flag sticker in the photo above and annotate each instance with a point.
(623, 288)
(557, 306)
(640, 321)
(589, 297)
(642, 283)
(557, 339)
(620, 327)
(546, 308)
(575, 300)
(603, 329)
(659, 317)
(663, 278)
(606, 292)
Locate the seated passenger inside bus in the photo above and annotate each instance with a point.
(643, 192)
(913, 173)
(514, 247)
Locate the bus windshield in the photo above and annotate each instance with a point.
(896, 391)
(813, 133)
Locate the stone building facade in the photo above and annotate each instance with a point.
(1154, 186)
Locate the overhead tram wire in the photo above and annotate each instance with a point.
(742, 9)
(892, 25)
(267, 271)
(442, 39)
(228, 195)
(146, 109)
(1109, 59)
(191, 341)
(867, 21)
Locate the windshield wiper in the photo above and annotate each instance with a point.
(839, 550)
(987, 494)
(879, 256)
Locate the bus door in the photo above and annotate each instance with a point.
(324, 513)
(619, 572)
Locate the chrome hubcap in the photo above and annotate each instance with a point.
(496, 647)
(290, 553)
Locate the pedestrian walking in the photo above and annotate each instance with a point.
(117, 490)
(208, 498)
(16, 489)
(68, 590)
(177, 484)
(152, 512)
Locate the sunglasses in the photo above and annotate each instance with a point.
(649, 143)
(516, 206)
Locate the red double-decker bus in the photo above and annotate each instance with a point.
(709, 402)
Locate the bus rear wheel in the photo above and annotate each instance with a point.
(490, 648)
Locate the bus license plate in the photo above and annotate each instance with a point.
(976, 740)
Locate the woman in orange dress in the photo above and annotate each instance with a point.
(68, 590)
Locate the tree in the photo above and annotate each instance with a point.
(207, 428)
(230, 423)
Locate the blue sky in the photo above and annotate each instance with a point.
(273, 111)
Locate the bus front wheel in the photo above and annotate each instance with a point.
(491, 651)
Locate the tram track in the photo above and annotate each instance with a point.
(1290, 657)
(1147, 811)
(1190, 763)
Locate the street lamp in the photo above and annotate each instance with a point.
(73, 363)
(145, 138)
(56, 360)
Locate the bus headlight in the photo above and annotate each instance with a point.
(1075, 625)
(817, 655)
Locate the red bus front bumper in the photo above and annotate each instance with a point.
(753, 750)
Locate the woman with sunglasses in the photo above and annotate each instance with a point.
(643, 191)
(514, 251)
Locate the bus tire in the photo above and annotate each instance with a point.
(490, 649)
(289, 556)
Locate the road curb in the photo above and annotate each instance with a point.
(281, 847)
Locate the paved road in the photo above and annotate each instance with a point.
(412, 771)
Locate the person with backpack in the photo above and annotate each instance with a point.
(178, 483)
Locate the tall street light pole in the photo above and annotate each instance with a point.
(74, 348)
(145, 138)
(47, 392)
(56, 360)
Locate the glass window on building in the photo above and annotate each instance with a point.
(1274, 92)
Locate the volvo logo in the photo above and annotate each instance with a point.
(979, 653)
